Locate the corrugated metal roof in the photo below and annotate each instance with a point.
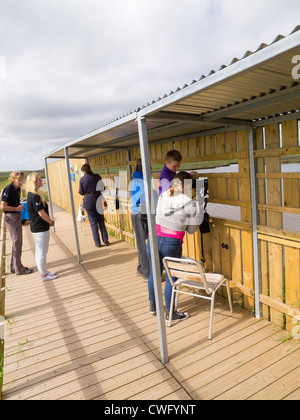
(258, 85)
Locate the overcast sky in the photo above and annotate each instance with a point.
(69, 66)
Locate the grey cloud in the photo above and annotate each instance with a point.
(72, 66)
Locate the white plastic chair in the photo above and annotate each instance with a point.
(81, 217)
(191, 273)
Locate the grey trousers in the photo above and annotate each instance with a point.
(140, 237)
(14, 226)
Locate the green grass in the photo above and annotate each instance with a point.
(4, 176)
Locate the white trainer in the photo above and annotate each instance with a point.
(51, 273)
(49, 276)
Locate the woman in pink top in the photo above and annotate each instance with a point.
(176, 214)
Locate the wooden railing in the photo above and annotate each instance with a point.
(2, 292)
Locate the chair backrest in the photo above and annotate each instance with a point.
(185, 269)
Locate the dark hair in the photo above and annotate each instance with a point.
(86, 168)
(138, 166)
(182, 176)
(173, 155)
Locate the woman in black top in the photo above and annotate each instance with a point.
(10, 204)
(40, 223)
(92, 203)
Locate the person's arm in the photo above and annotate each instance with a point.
(5, 207)
(193, 217)
(81, 189)
(45, 217)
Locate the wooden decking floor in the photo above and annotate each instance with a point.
(88, 335)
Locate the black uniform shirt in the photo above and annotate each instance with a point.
(11, 196)
(34, 205)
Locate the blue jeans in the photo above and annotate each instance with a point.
(167, 247)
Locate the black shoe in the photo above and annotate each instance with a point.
(26, 271)
(177, 316)
(98, 246)
(12, 271)
(106, 243)
(152, 309)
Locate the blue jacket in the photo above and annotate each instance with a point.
(137, 191)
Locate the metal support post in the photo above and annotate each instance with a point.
(255, 218)
(72, 204)
(143, 138)
(49, 192)
(129, 166)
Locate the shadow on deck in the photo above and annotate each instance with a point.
(88, 335)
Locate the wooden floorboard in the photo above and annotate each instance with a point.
(88, 335)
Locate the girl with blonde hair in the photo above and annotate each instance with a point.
(10, 204)
(40, 223)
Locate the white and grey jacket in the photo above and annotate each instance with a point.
(179, 213)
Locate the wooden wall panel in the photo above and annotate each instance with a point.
(280, 261)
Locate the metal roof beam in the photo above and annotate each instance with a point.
(90, 147)
(252, 104)
(190, 118)
(95, 146)
(252, 61)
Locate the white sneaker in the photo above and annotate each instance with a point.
(49, 276)
(51, 273)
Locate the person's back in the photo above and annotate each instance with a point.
(139, 225)
(176, 214)
(136, 191)
(88, 188)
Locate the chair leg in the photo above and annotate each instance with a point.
(211, 315)
(177, 296)
(171, 306)
(229, 296)
(195, 299)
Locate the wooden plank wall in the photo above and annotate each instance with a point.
(228, 247)
(59, 183)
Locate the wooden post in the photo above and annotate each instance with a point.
(2, 289)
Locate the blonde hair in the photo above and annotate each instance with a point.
(31, 187)
(178, 187)
(15, 175)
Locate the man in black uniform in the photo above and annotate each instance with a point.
(10, 204)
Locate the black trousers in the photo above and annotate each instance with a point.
(97, 221)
